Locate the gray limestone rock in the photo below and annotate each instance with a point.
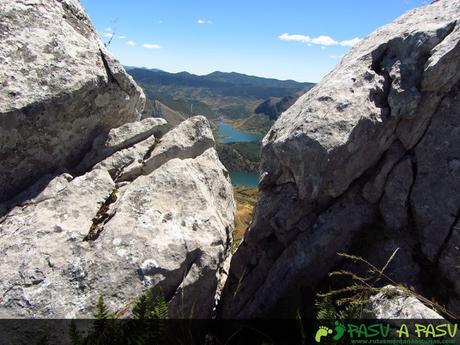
(120, 138)
(378, 138)
(395, 303)
(67, 240)
(60, 88)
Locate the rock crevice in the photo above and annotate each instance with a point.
(334, 174)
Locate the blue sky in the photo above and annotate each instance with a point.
(290, 39)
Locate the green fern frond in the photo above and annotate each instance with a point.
(160, 310)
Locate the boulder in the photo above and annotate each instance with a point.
(60, 89)
(171, 229)
(396, 303)
(67, 240)
(42, 247)
(371, 150)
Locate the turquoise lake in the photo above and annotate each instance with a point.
(244, 179)
(230, 134)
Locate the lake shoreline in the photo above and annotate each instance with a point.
(228, 133)
(228, 139)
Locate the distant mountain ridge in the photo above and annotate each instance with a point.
(240, 78)
(233, 77)
(218, 94)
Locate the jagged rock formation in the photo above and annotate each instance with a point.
(366, 161)
(119, 140)
(168, 224)
(93, 201)
(60, 88)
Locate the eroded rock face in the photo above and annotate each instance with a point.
(375, 142)
(117, 205)
(68, 239)
(121, 138)
(60, 88)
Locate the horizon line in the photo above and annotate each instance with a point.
(154, 69)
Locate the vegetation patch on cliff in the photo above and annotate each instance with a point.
(246, 200)
(240, 156)
(258, 123)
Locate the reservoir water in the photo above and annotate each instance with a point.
(232, 135)
(245, 179)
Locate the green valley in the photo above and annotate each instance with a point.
(219, 94)
(244, 104)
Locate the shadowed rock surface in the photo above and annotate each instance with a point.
(371, 151)
(60, 89)
(75, 238)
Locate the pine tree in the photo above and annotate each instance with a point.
(158, 314)
(101, 323)
(150, 307)
(150, 311)
(102, 313)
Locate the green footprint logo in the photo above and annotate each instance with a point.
(339, 330)
(322, 331)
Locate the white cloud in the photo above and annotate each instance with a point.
(324, 41)
(107, 34)
(108, 29)
(203, 21)
(131, 43)
(298, 38)
(151, 46)
(336, 56)
(351, 43)
(321, 40)
(122, 37)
